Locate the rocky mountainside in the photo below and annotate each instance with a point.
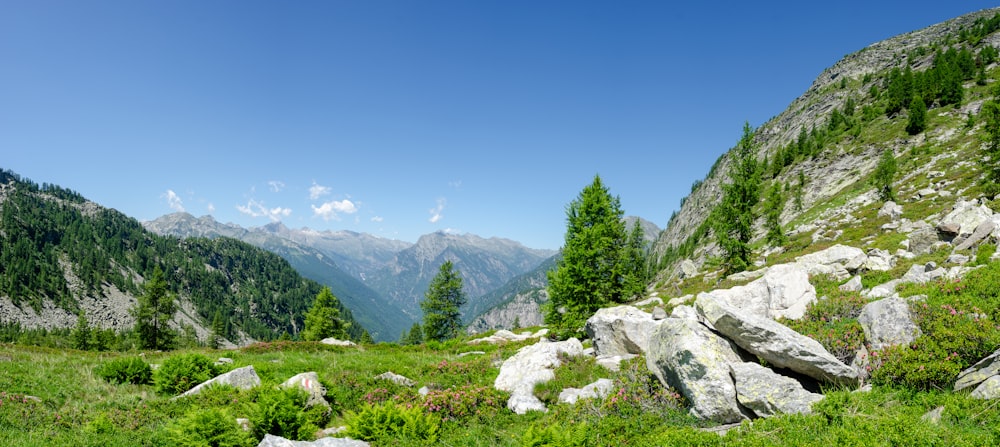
(840, 163)
(61, 255)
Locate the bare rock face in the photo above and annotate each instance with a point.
(531, 365)
(768, 393)
(243, 378)
(783, 292)
(888, 322)
(968, 215)
(922, 240)
(982, 231)
(775, 342)
(620, 330)
(687, 356)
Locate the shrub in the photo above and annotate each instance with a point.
(390, 420)
(126, 370)
(465, 402)
(182, 372)
(549, 435)
(833, 323)
(984, 253)
(279, 412)
(212, 427)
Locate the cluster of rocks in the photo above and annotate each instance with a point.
(505, 336)
(983, 377)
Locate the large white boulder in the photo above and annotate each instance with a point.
(888, 322)
(783, 292)
(309, 382)
(968, 215)
(620, 330)
(768, 393)
(243, 378)
(531, 365)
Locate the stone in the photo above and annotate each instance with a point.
(243, 378)
(688, 269)
(613, 362)
(244, 423)
(531, 365)
(774, 342)
(768, 393)
(982, 231)
(989, 389)
(686, 355)
(224, 361)
(926, 192)
(684, 312)
(423, 391)
(467, 353)
(979, 372)
(784, 292)
(309, 382)
(620, 330)
(659, 313)
(335, 342)
(916, 274)
(837, 254)
(596, 390)
(949, 230)
(504, 336)
(933, 416)
(957, 259)
(968, 215)
(888, 322)
(891, 210)
(884, 290)
(395, 378)
(680, 300)
(277, 441)
(652, 300)
(922, 241)
(879, 261)
(853, 285)
(747, 275)
(903, 254)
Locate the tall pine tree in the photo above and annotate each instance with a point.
(323, 319)
(734, 216)
(153, 312)
(772, 215)
(442, 304)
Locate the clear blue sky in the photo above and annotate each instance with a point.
(400, 118)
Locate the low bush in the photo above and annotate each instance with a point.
(182, 372)
(389, 420)
(211, 427)
(125, 370)
(280, 412)
(465, 402)
(833, 323)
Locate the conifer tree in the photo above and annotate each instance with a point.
(599, 266)
(323, 319)
(990, 116)
(918, 116)
(415, 336)
(442, 304)
(734, 216)
(81, 333)
(772, 218)
(153, 313)
(218, 331)
(800, 190)
(883, 176)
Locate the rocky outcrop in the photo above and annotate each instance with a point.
(598, 389)
(989, 389)
(774, 342)
(982, 231)
(620, 330)
(243, 378)
(277, 441)
(768, 393)
(531, 365)
(686, 355)
(888, 322)
(783, 292)
(980, 372)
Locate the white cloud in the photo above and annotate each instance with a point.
(329, 210)
(377, 219)
(436, 211)
(254, 208)
(276, 185)
(457, 184)
(211, 208)
(316, 191)
(173, 200)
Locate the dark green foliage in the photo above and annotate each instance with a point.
(388, 421)
(323, 319)
(81, 333)
(126, 370)
(772, 215)
(800, 190)
(218, 330)
(547, 435)
(442, 304)
(414, 337)
(990, 116)
(466, 402)
(918, 117)
(212, 427)
(105, 247)
(153, 311)
(182, 372)
(280, 413)
(884, 174)
(598, 264)
(735, 215)
(833, 323)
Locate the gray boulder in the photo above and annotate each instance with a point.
(688, 269)
(309, 382)
(884, 290)
(598, 389)
(768, 393)
(922, 240)
(854, 285)
(613, 362)
(879, 260)
(957, 259)
(686, 355)
(978, 373)
(891, 210)
(335, 342)
(659, 313)
(783, 292)
(968, 215)
(277, 441)
(837, 254)
(982, 231)
(775, 342)
(395, 378)
(620, 330)
(989, 389)
(531, 365)
(888, 322)
(243, 378)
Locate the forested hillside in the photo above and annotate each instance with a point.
(58, 250)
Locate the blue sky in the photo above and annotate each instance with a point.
(400, 118)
